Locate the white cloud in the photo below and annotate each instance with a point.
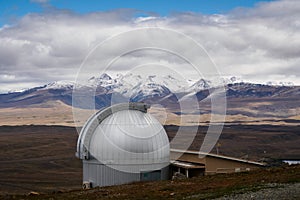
(260, 44)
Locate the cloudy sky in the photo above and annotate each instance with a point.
(43, 41)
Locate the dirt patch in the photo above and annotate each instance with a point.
(38, 158)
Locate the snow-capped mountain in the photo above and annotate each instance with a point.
(104, 81)
(133, 87)
(128, 84)
(59, 85)
(200, 85)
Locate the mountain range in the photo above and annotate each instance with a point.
(165, 90)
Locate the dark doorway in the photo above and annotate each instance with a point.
(150, 176)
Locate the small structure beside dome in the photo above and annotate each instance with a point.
(122, 144)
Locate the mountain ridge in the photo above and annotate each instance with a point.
(152, 90)
(105, 80)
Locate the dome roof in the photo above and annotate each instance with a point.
(124, 134)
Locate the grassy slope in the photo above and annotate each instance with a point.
(196, 188)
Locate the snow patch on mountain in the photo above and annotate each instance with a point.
(280, 83)
(59, 85)
(134, 86)
(104, 80)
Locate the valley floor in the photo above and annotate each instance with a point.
(42, 159)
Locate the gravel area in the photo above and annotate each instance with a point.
(271, 191)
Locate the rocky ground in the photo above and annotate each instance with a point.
(272, 191)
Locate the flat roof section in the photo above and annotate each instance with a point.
(217, 156)
(186, 165)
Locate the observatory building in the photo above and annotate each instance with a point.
(121, 144)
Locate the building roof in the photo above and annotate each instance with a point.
(187, 165)
(217, 156)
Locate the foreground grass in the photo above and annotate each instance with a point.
(205, 187)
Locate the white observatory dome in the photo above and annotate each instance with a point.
(125, 139)
(130, 136)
